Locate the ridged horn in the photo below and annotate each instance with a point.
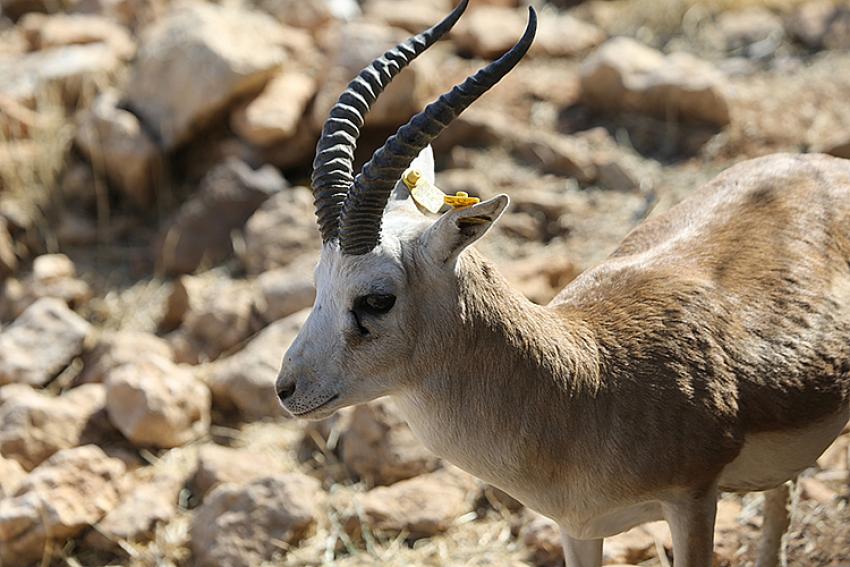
(360, 221)
(333, 165)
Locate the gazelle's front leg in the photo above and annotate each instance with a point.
(691, 520)
(581, 552)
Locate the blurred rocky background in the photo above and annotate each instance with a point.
(157, 240)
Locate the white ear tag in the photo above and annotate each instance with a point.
(425, 195)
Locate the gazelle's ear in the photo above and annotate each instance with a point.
(400, 197)
(459, 228)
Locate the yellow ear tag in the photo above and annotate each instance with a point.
(423, 192)
(460, 200)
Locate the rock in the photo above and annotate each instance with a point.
(284, 291)
(755, 30)
(245, 524)
(58, 30)
(238, 50)
(62, 497)
(229, 194)
(625, 75)
(8, 258)
(311, 14)
(69, 70)
(543, 538)
(556, 154)
(219, 465)
(296, 150)
(413, 16)
(35, 425)
(813, 489)
(41, 342)
(55, 278)
(275, 114)
(12, 475)
(219, 317)
(489, 31)
(115, 143)
(156, 403)
(422, 506)
(244, 382)
(840, 148)
(354, 47)
(136, 517)
(280, 231)
(117, 348)
(379, 447)
(820, 24)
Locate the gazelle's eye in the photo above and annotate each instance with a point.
(374, 303)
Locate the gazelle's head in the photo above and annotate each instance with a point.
(386, 269)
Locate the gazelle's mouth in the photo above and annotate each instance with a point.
(314, 408)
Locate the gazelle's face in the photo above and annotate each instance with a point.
(371, 312)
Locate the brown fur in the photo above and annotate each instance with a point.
(727, 315)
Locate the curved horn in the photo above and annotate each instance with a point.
(333, 165)
(360, 221)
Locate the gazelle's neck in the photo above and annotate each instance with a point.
(495, 396)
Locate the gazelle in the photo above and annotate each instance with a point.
(710, 352)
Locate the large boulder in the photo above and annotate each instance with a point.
(34, 425)
(200, 234)
(244, 382)
(238, 51)
(245, 524)
(115, 142)
(281, 230)
(353, 48)
(624, 74)
(116, 348)
(489, 31)
(379, 447)
(57, 501)
(41, 343)
(284, 291)
(156, 403)
(275, 114)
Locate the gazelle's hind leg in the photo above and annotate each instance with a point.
(581, 552)
(777, 516)
(691, 520)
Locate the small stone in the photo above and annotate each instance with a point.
(117, 348)
(423, 506)
(35, 425)
(53, 276)
(12, 475)
(8, 259)
(281, 230)
(239, 51)
(542, 536)
(115, 142)
(244, 382)
(156, 403)
(820, 24)
(49, 267)
(813, 489)
(244, 524)
(284, 291)
(379, 447)
(276, 112)
(219, 465)
(41, 342)
(57, 30)
(66, 494)
(201, 232)
(748, 28)
(623, 74)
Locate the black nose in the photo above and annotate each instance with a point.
(286, 391)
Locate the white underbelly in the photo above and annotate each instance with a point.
(769, 459)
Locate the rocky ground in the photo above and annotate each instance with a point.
(157, 238)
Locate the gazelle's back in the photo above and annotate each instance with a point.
(733, 306)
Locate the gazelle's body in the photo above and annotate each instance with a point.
(711, 351)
